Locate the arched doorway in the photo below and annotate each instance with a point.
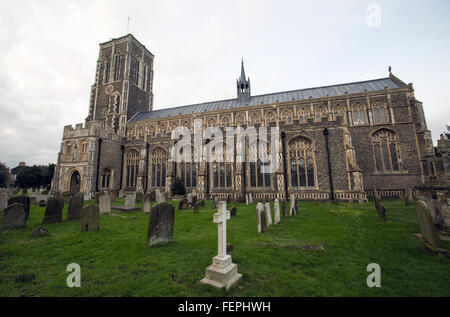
(75, 181)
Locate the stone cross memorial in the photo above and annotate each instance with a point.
(222, 273)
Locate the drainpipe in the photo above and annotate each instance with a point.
(325, 133)
(122, 148)
(98, 163)
(283, 150)
(147, 146)
(207, 169)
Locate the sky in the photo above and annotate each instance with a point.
(49, 49)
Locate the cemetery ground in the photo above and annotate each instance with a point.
(283, 261)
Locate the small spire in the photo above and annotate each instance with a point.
(390, 69)
(242, 70)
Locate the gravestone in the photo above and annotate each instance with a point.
(380, 208)
(21, 200)
(430, 236)
(33, 199)
(139, 197)
(268, 214)
(194, 199)
(147, 203)
(405, 198)
(250, 198)
(246, 199)
(105, 204)
(3, 200)
(261, 217)
(90, 218)
(75, 206)
(15, 216)
(293, 206)
(276, 212)
(202, 203)
(130, 201)
(53, 210)
(160, 226)
(222, 273)
(166, 196)
(197, 207)
(216, 201)
(160, 198)
(121, 194)
(233, 211)
(87, 196)
(113, 195)
(183, 204)
(189, 198)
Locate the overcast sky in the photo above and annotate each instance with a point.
(49, 49)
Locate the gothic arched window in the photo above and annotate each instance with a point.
(107, 176)
(385, 151)
(302, 162)
(132, 168)
(188, 171)
(222, 172)
(257, 161)
(359, 114)
(158, 165)
(379, 113)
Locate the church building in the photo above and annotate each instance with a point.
(338, 142)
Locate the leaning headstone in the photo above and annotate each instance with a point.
(105, 204)
(222, 273)
(197, 207)
(53, 211)
(276, 212)
(268, 214)
(75, 206)
(261, 217)
(293, 206)
(430, 236)
(15, 216)
(233, 211)
(90, 218)
(160, 226)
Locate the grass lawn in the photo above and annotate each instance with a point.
(116, 262)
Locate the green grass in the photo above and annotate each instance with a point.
(116, 262)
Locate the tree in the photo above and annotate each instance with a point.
(35, 176)
(4, 175)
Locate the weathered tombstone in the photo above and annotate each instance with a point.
(276, 212)
(268, 214)
(183, 204)
(189, 198)
(410, 194)
(222, 273)
(233, 211)
(160, 226)
(15, 216)
(379, 207)
(139, 197)
(75, 206)
(293, 206)
(216, 201)
(121, 194)
(87, 196)
(405, 198)
(261, 217)
(250, 198)
(147, 203)
(202, 203)
(430, 236)
(197, 207)
(194, 199)
(90, 218)
(160, 198)
(166, 195)
(246, 199)
(113, 195)
(53, 211)
(21, 200)
(105, 204)
(66, 196)
(130, 201)
(33, 199)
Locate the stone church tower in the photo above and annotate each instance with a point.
(339, 142)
